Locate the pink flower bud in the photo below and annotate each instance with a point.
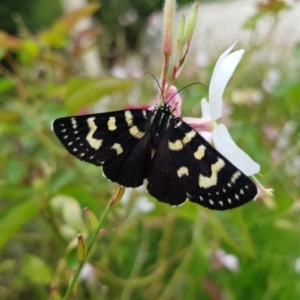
(169, 12)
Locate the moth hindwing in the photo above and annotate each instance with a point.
(178, 163)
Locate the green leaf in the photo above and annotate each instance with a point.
(91, 91)
(6, 84)
(2, 53)
(36, 270)
(15, 169)
(30, 51)
(12, 219)
(61, 179)
(8, 116)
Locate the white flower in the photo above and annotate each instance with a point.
(212, 109)
(230, 261)
(142, 203)
(297, 265)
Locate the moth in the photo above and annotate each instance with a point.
(177, 162)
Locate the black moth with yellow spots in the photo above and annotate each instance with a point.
(179, 164)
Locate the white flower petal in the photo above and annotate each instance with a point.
(223, 71)
(224, 54)
(231, 262)
(205, 108)
(144, 205)
(226, 146)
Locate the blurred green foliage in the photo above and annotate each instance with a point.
(164, 253)
(35, 14)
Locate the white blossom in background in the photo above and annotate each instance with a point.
(297, 265)
(271, 80)
(141, 204)
(88, 275)
(230, 261)
(219, 258)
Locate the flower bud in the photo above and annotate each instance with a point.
(54, 294)
(179, 41)
(169, 12)
(81, 249)
(191, 22)
(119, 192)
(91, 218)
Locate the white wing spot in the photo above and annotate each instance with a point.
(182, 171)
(211, 202)
(128, 118)
(81, 144)
(75, 149)
(188, 137)
(136, 133)
(62, 124)
(229, 200)
(75, 131)
(70, 143)
(91, 157)
(229, 185)
(144, 114)
(64, 130)
(247, 187)
(200, 152)
(235, 176)
(78, 138)
(111, 124)
(236, 197)
(178, 144)
(117, 147)
(82, 154)
(224, 190)
(178, 124)
(74, 123)
(208, 181)
(66, 136)
(201, 198)
(241, 192)
(221, 203)
(94, 143)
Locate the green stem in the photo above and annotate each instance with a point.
(89, 247)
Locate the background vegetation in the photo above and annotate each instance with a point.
(146, 249)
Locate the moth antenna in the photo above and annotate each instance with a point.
(160, 89)
(183, 89)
